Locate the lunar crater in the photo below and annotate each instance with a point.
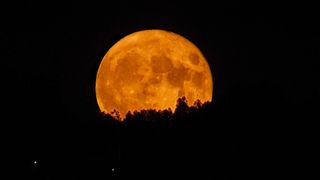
(194, 59)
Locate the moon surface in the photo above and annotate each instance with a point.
(151, 69)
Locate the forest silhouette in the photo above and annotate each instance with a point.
(158, 117)
(207, 140)
(165, 143)
(203, 140)
(198, 140)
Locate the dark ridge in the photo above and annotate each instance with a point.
(165, 143)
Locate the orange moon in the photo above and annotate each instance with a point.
(151, 69)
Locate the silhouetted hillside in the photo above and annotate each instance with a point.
(171, 144)
(204, 141)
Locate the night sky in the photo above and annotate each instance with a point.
(265, 65)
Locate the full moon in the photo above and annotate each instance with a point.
(151, 69)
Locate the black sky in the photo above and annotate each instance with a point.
(264, 59)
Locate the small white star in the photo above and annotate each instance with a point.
(112, 169)
(35, 162)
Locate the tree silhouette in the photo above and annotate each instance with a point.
(159, 118)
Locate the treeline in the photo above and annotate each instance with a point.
(162, 118)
